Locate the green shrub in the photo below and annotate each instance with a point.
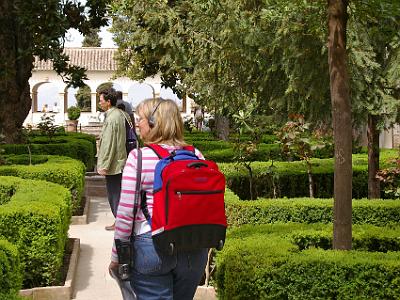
(36, 219)
(65, 171)
(74, 113)
(11, 272)
(84, 136)
(306, 210)
(24, 159)
(288, 262)
(291, 179)
(226, 152)
(77, 148)
(198, 136)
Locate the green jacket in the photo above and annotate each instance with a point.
(112, 151)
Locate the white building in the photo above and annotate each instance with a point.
(100, 66)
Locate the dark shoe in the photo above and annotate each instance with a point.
(110, 228)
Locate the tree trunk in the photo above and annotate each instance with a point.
(15, 70)
(374, 190)
(248, 167)
(342, 127)
(222, 127)
(310, 180)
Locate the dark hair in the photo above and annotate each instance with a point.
(118, 94)
(109, 95)
(121, 106)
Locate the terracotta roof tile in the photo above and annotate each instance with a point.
(91, 58)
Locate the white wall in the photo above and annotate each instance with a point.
(96, 78)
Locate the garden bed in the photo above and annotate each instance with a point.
(65, 289)
(80, 216)
(294, 261)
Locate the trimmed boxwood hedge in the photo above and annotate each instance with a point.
(307, 210)
(11, 272)
(288, 261)
(291, 178)
(74, 147)
(65, 171)
(24, 159)
(36, 219)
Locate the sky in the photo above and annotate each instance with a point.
(74, 38)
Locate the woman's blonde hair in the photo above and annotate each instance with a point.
(168, 124)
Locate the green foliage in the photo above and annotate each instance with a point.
(24, 159)
(2, 160)
(83, 98)
(292, 179)
(245, 149)
(47, 126)
(226, 53)
(92, 38)
(65, 171)
(307, 210)
(295, 138)
(288, 261)
(36, 220)
(74, 112)
(390, 177)
(79, 146)
(11, 271)
(188, 124)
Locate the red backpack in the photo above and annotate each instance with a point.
(188, 208)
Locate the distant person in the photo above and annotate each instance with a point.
(199, 117)
(127, 107)
(45, 108)
(112, 153)
(55, 107)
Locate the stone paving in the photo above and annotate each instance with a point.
(92, 281)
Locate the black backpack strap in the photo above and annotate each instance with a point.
(143, 206)
(138, 188)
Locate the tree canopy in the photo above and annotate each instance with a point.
(92, 39)
(224, 53)
(37, 28)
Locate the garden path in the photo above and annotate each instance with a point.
(92, 281)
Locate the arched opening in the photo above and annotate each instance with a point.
(45, 97)
(138, 92)
(80, 97)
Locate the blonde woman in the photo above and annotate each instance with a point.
(155, 275)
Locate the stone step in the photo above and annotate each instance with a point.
(95, 186)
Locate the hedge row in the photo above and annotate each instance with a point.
(11, 272)
(306, 210)
(291, 179)
(288, 261)
(40, 139)
(24, 159)
(71, 146)
(35, 218)
(65, 171)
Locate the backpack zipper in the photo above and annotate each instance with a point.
(180, 193)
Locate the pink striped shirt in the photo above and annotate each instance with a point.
(124, 221)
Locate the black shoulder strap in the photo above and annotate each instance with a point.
(138, 188)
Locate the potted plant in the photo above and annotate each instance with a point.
(74, 113)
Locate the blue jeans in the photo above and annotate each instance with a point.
(161, 276)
